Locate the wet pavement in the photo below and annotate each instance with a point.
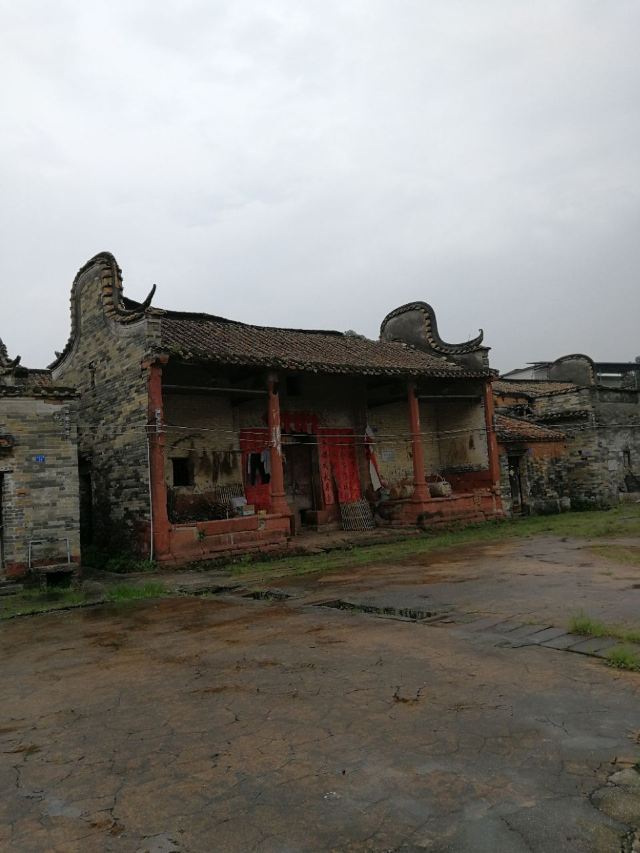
(435, 708)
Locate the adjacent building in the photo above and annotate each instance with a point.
(594, 411)
(199, 434)
(39, 491)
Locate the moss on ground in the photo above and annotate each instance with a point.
(622, 521)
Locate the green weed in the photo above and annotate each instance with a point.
(586, 626)
(129, 592)
(39, 601)
(622, 657)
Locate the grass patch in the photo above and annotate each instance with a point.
(627, 554)
(586, 626)
(129, 592)
(621, 657)
(39, 601)
(622, 521)
(119, 563)
(32, 601)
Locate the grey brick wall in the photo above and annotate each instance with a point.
(104, 365)
(39, 498)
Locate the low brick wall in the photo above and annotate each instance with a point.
(205, 539)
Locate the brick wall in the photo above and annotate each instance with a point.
(39, 498)
(601, 444)
(104, 365)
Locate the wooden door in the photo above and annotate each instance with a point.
(299, 479)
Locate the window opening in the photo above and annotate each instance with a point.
(182, 472)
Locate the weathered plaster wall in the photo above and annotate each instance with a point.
(390, 425)
(462, 436)
(105, 366)
(208, 437)
(40, 499)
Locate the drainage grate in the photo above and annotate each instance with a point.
(267, 595)
(411, 614)
(236, 589)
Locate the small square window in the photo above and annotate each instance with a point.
(293, 386)
(182, 472)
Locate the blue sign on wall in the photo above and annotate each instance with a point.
(39, 458)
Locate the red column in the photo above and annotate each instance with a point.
(492, 441)
(160, 526)
(420, 488)
(278, 500)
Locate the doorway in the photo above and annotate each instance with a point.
(515, 483)
(86, 504)
(300, 475)
(2, 539)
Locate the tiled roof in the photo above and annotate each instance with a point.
(531, 387)
(517, 429)
(207, 338)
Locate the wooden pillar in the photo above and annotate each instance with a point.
(158, 485)
(492, 441)
(279, 503)
(420, 488)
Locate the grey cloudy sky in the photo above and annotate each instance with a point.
(319, 162)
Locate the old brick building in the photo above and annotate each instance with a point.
(598, 412)
(533, 474)
(222, 436)
(39, 510)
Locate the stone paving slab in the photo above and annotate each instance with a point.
(508, 627)
(488, 622)
(594, 645)
(561, 643)
(527, 631)
(547, 634)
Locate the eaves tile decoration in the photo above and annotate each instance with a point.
(205, 338)
(564, 415)
(517, 429)
(531, 387)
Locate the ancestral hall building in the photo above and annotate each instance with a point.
(199, 434)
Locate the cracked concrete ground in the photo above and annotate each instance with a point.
(230, 724)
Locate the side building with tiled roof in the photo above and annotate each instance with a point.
(200, 434)
(39, 490)
(600, 421)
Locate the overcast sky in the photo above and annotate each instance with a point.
(316, 163)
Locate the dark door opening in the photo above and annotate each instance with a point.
(300, 475)
(86, 505)
(515, 482)
(2, 540)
